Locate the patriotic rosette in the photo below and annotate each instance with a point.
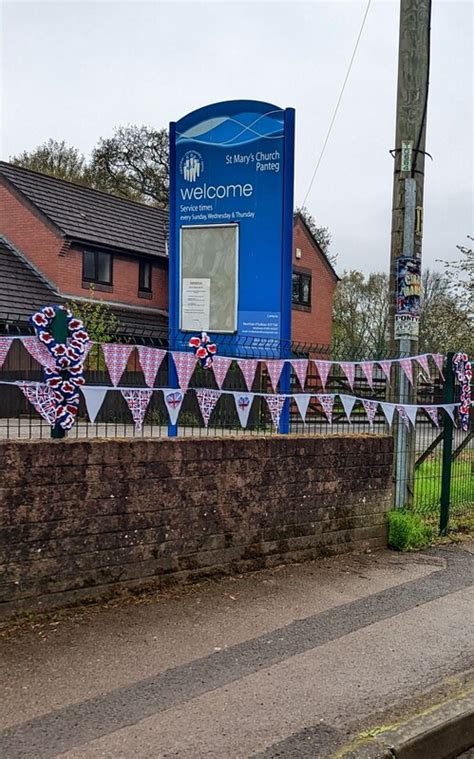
(66, 379)
(205, 350)
(463, 369)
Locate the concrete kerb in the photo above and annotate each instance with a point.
(441, 733)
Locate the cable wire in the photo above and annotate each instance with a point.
(338, 102)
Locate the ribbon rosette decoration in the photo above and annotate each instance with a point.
(463, 369)
(205, 350)
(67, 377)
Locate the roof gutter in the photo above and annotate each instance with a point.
(117, 250)
(115, 304)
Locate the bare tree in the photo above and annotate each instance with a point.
(56, 159)
(322, 235)
(446, 320)
(133, 163)
(361, 315)
(461, 275)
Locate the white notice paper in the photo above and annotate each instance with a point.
(195, 304)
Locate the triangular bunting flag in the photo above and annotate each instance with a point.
(220, 367)
(386, 367)
(349, 370)
(368, 369)
(274, 368)
(323, 367)
(39, 352)
(300, 365)
(371, 410)
(275, 404)
(207, 400)
(243, 404)
(116, 357)
(423, 362)
(248, 367)
(348, 402)
(327, 402)
(137, 401)
(302, 401)
(185, 364)
(407, 367)
(433, 414)
(402, 413)
(5, 343)
(438, 358)
(173, 401)
(449, 408)
(389, 410)
(94, 398)
(411, 412)
(41, 398)
(150, 361)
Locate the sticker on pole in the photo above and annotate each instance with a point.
(407, 314)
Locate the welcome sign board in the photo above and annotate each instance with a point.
(231, 221)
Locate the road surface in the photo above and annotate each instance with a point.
(281, 663)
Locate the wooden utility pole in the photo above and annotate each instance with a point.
(407, 211)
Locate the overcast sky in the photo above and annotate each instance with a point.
(75, 70)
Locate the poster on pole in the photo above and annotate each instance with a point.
(407, 314)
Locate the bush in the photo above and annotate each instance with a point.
(407, 531)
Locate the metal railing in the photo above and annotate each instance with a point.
(18, 419)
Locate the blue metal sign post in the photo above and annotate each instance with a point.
(231, 226)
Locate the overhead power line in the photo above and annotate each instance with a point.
(338, 102)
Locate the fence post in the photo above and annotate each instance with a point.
(59, 330)
(447, 448)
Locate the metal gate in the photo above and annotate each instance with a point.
(444, 470)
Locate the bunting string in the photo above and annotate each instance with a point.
(116, 356)
(39, 395)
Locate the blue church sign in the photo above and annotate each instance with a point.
(231, 224)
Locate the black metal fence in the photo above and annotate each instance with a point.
(19, 420)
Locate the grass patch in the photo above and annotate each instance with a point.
(427, 494)
(428, 485)
(407, 531)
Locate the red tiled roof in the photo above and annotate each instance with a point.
(91, 216)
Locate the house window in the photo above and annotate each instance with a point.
(301, 295)
(144, 277)
(97, 267)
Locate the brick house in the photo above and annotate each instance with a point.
(74, 237)
(314, 283)
(77, 237)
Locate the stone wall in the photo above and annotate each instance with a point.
(89, 519)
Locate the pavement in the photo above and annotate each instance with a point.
(292, 662)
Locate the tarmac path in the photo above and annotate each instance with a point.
(279, 663)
